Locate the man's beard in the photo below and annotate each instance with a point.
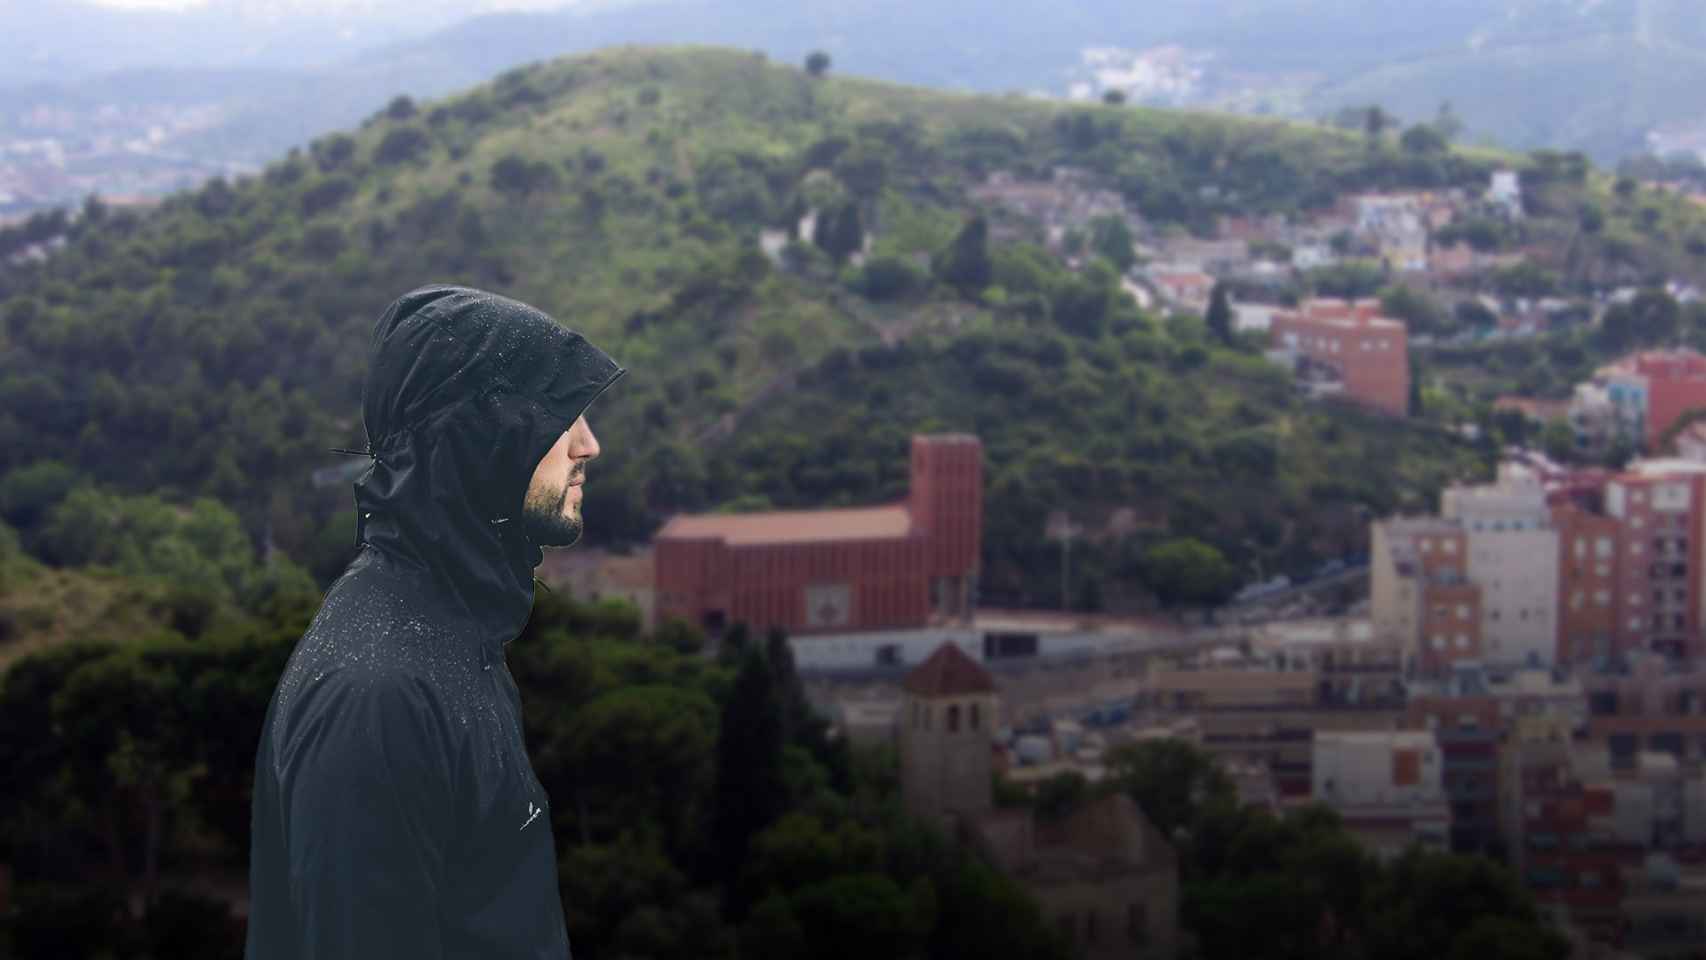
(545, 523)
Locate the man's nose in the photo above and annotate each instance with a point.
(587, 447)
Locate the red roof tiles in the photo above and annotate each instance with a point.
(947, 673)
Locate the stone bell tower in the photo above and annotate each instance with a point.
(947, 719)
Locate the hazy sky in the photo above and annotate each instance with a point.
(276, 7)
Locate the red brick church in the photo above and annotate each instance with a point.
(908, 564)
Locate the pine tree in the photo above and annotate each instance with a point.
(839, 232)
(790, 693)
(751, 793)
(1219, 318)
(967, 267)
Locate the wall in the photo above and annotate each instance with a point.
(1588, 560)
(1517, 573)
(1392, 598)
(1353, 770)
(945, 753)
(848, 584)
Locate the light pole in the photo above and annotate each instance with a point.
(1060, 527)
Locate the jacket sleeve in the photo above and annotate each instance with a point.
(370, 817)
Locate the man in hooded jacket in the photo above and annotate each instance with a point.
(396, 813)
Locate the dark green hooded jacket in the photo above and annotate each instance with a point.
(396, 813)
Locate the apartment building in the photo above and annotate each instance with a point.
(1420, 593)
(1651, 707)
(1513, 559)
(1657, 503)
(1470, 713)
(1265, 711)
(1590, 836)
(1366, 352)
(1588, 560)
(1575, 569)
(1639, 397)
(1386, 786)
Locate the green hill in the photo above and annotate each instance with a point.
(214, 345)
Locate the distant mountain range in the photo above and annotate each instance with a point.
(1609, 77)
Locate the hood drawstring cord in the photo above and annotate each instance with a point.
(535, 579)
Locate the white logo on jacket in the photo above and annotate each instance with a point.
(532, 812)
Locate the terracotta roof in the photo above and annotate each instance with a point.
(947, 673)
(1185, 279)
(792, 526)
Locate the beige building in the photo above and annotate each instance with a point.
(1101, 873)
(1263, 710)
(1353, 663)
(1420, 593)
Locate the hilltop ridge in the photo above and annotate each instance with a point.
(205, 346)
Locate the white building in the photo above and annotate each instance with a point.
(1505, 192)
(1308, 256)
(1385, 784)
(1513, 557)
(1253, 316)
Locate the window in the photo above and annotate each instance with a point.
(1634, 623)
(1636, 522)
(927, 716)
(1463, 611)
(953, 718)
(1601, 598)
(1635, 548)
(1635, 599)
(1602, 547)
(915, 714)
(974, 716)
(1581, 546)
(1449, 546)
(1463, 641)
(1427, 545)
(1439, 641)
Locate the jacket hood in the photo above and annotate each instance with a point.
(466, 392)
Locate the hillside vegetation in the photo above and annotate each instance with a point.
(215, 345)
